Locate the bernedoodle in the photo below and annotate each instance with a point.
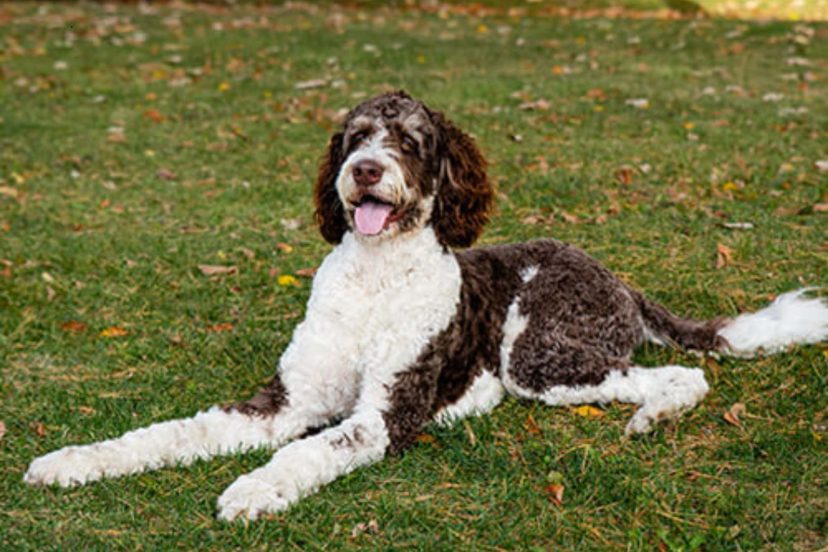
(402, 329)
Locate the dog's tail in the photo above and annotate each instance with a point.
(792, 318)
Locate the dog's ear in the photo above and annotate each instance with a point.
(464, 196)
(330, 214)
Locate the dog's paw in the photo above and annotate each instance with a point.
(681, 390)
(249, 497)
(67, 467)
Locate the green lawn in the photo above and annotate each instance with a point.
(137, 144)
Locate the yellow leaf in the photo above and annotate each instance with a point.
(482, 29)
(224, 87)
(287, 280)
(588, 411)
(113, 331)
(730, 186)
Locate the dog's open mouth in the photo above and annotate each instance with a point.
(373, 215)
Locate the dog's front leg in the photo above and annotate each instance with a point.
(303, 466)
(391, 411)
(216, 431)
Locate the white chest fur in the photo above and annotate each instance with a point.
(374, 307)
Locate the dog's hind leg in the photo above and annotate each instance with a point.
(485, 393)
(559, 370)
(663, 393)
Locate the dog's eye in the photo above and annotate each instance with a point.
(408, 144)
(358, 137)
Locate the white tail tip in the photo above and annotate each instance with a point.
(792, 318)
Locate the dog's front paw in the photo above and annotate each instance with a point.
(250, 498)
(66, 467)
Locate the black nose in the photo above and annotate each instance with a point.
(367, 172)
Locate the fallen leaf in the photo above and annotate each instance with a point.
(821, 165)
(38, 428)
(213, 270)
(540, 105)
(248, 253)
(370, 527)
(154, 115)
(555, 492)
(223, 327)
(724, 256)
(2, 429)
(425, 439)
(624, 175)
(532, 426)
(284, 247)
(569, 217)
(290, 223)
(638, 103)
(166, 174)
(308, 84)
(588, 411)
(732, 415)
(8, 191)
(287, 280)
(113, 331)
(73, 326)
(738, 225)
(88, 410)
(820, 208)
(309, 272)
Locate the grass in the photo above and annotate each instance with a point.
(137, 144)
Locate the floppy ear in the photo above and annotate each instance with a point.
(464, 195)
(330, 214)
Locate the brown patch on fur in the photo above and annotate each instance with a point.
(330, 214)
(349, 441)
(266, 402)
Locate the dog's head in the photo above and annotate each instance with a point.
(396, 166)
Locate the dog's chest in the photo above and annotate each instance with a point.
(387, 303)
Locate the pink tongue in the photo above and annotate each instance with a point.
(370, 217)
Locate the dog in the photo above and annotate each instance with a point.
(405, 326)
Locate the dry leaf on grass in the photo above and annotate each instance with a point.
(532, 426)
(73, 326)
(214, 270)
(223, 327)
(724, 256)
(38, 428)
(307, 272)
(555, 493)
(370, 527)
(113, 331)
(2, 429)
(732, 415)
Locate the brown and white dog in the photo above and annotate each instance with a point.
(402, 330)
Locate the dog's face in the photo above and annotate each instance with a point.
(396, 167)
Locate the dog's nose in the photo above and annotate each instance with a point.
(367, 172)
